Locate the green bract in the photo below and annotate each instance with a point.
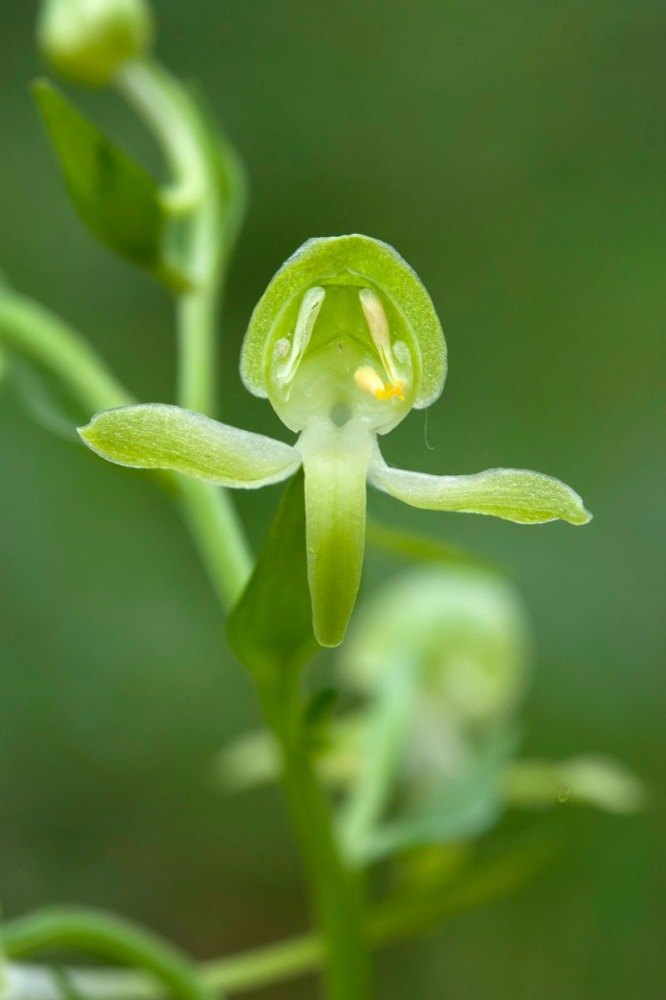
(88, 41)
(344, 343)
(119, 202)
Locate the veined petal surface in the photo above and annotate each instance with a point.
(513, 494)
(160, 436)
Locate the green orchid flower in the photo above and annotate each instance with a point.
(344, 343)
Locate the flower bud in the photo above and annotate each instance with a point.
(461, 630)
(88, 41)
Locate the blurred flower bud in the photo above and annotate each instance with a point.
(461, 630)
(88, 41)
(440, 655)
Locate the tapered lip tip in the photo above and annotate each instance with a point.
(329, 639)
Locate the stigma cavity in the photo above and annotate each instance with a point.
(366, 378)
(307, 317)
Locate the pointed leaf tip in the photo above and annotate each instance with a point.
(116, 199)
(270, 628)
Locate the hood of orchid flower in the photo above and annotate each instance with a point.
(345, 330)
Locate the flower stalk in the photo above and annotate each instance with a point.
(194, 192)
(335, 887)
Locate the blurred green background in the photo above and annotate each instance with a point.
(514, 153)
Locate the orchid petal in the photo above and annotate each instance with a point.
(335, 462)
(159, 436)
(514, 494)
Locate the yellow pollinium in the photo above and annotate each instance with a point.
(368, 379)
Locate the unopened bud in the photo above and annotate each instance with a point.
(88, 41)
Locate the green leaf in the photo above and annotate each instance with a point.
(161, 436)
(118, 201)
(518, 495)
(270, 629)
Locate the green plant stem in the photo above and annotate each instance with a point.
(218, 536)
(119, 940)
(165, 106)
(196, 317)
(399, 919)
(29, 330)
(32, 331)
(161, 101)
(335, 887)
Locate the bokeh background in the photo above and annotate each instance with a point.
(515, 154)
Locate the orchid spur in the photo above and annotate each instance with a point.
(344, 343)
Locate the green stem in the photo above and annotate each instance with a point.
(32, 331)
(335, 887)
(162, 102)
(100, 934)
(196, 316)
(399, 919)
(218, 535)
(194, 199)
(166, 107)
